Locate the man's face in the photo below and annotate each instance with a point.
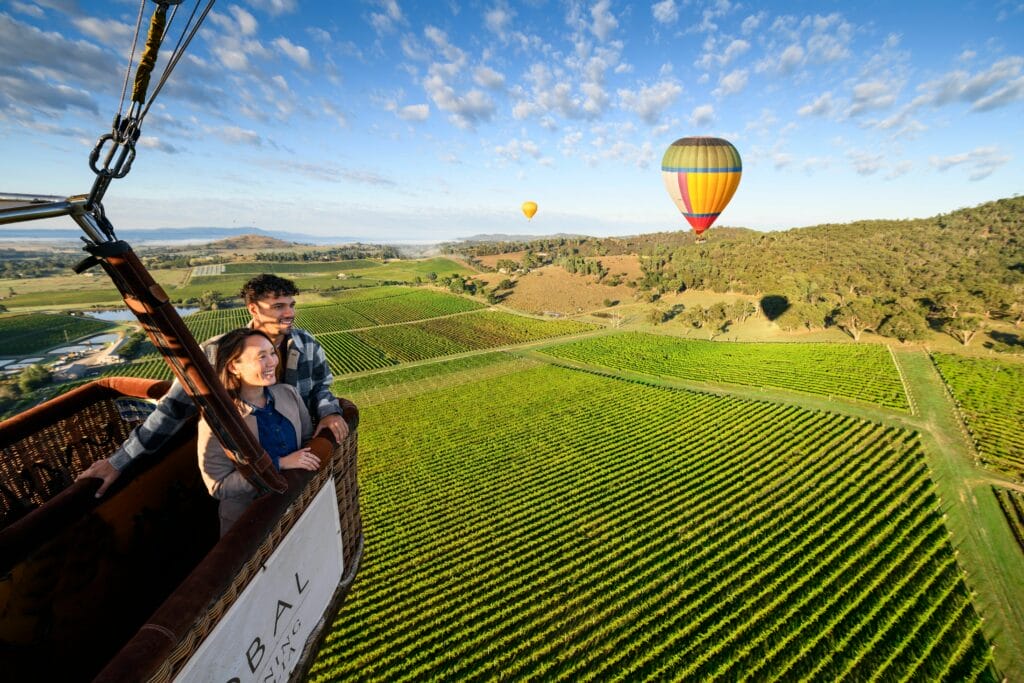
(274, 314)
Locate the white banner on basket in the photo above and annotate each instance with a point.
(261, 636)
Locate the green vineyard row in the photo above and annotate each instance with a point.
(1012, 505)
(990, 396)
(645, 533)
(862, 372)
(38, 332)
(378, 347)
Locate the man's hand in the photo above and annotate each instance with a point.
(102, 470)
(335, 424)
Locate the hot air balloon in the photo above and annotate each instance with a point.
(529, 208)
(701, 176)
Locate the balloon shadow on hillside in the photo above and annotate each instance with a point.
(774, 305)
(1003, 339)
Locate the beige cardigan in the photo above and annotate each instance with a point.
(223, 481)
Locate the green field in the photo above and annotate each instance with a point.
(990, 396)
(38, 332)
(290, 268)
(862, 372)
(529, 534)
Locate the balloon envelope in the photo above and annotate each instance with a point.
(529, 208)
(701, 176)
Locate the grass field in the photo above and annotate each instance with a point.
(533, 535)
(863, 372)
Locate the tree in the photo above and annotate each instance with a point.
(964, 327)
(457, 286)
(432, 276)
(506, 284)
(860, 314)
(801, 314)
(33, 377)
(905, 325)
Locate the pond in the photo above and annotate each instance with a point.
(90, 344)
(122, 314)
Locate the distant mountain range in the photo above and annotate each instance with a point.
(196, 235)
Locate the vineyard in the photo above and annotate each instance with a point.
(377, 347)
(990, 396)
(1012, 505)
(862, 372)
(38, 332)
(298, 267)
(519, 534)
(413, 380)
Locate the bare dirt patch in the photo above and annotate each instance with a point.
(552, 290)
(626, 265)
(491, 260)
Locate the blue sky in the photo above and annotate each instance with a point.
(394, 120)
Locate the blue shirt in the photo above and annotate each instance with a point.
(277, 435)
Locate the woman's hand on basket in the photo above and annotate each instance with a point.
(302, 459)
(102, 470)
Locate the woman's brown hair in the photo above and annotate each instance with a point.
(229, 348)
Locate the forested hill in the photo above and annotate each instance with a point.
(969, 250)
(952, 270)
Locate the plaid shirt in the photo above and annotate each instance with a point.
(306, 369)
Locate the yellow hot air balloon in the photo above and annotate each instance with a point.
(701, 176)
(529, 208)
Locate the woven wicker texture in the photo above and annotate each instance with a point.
(40, 465)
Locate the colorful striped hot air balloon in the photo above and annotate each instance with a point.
(701, 175)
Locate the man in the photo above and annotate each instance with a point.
(271, 302)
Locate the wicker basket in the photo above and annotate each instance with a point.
(45, 513)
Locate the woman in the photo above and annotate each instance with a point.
(247, 367)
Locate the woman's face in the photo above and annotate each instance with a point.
(257, 364)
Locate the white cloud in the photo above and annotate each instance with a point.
(752, 23)
(239, 136)
(781, 160)
(244, 22)
(498, 19)
(712, 57)
(275, 7)
(665, 12)
(28, 8)
(872, 95)
(604, 22)
(865, 163)
(319, 35)
(413, 112)
(649, 102)
(296, 53)
(487, 77)
(982, 161)
(515, 150)
(791, 58)
(150, 142)
(334, 112)
(105, 30)
(997, 86)
(732, 83)
(386, 20)
(823, 106)
(702, 116)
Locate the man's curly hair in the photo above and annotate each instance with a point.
(267, 285)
